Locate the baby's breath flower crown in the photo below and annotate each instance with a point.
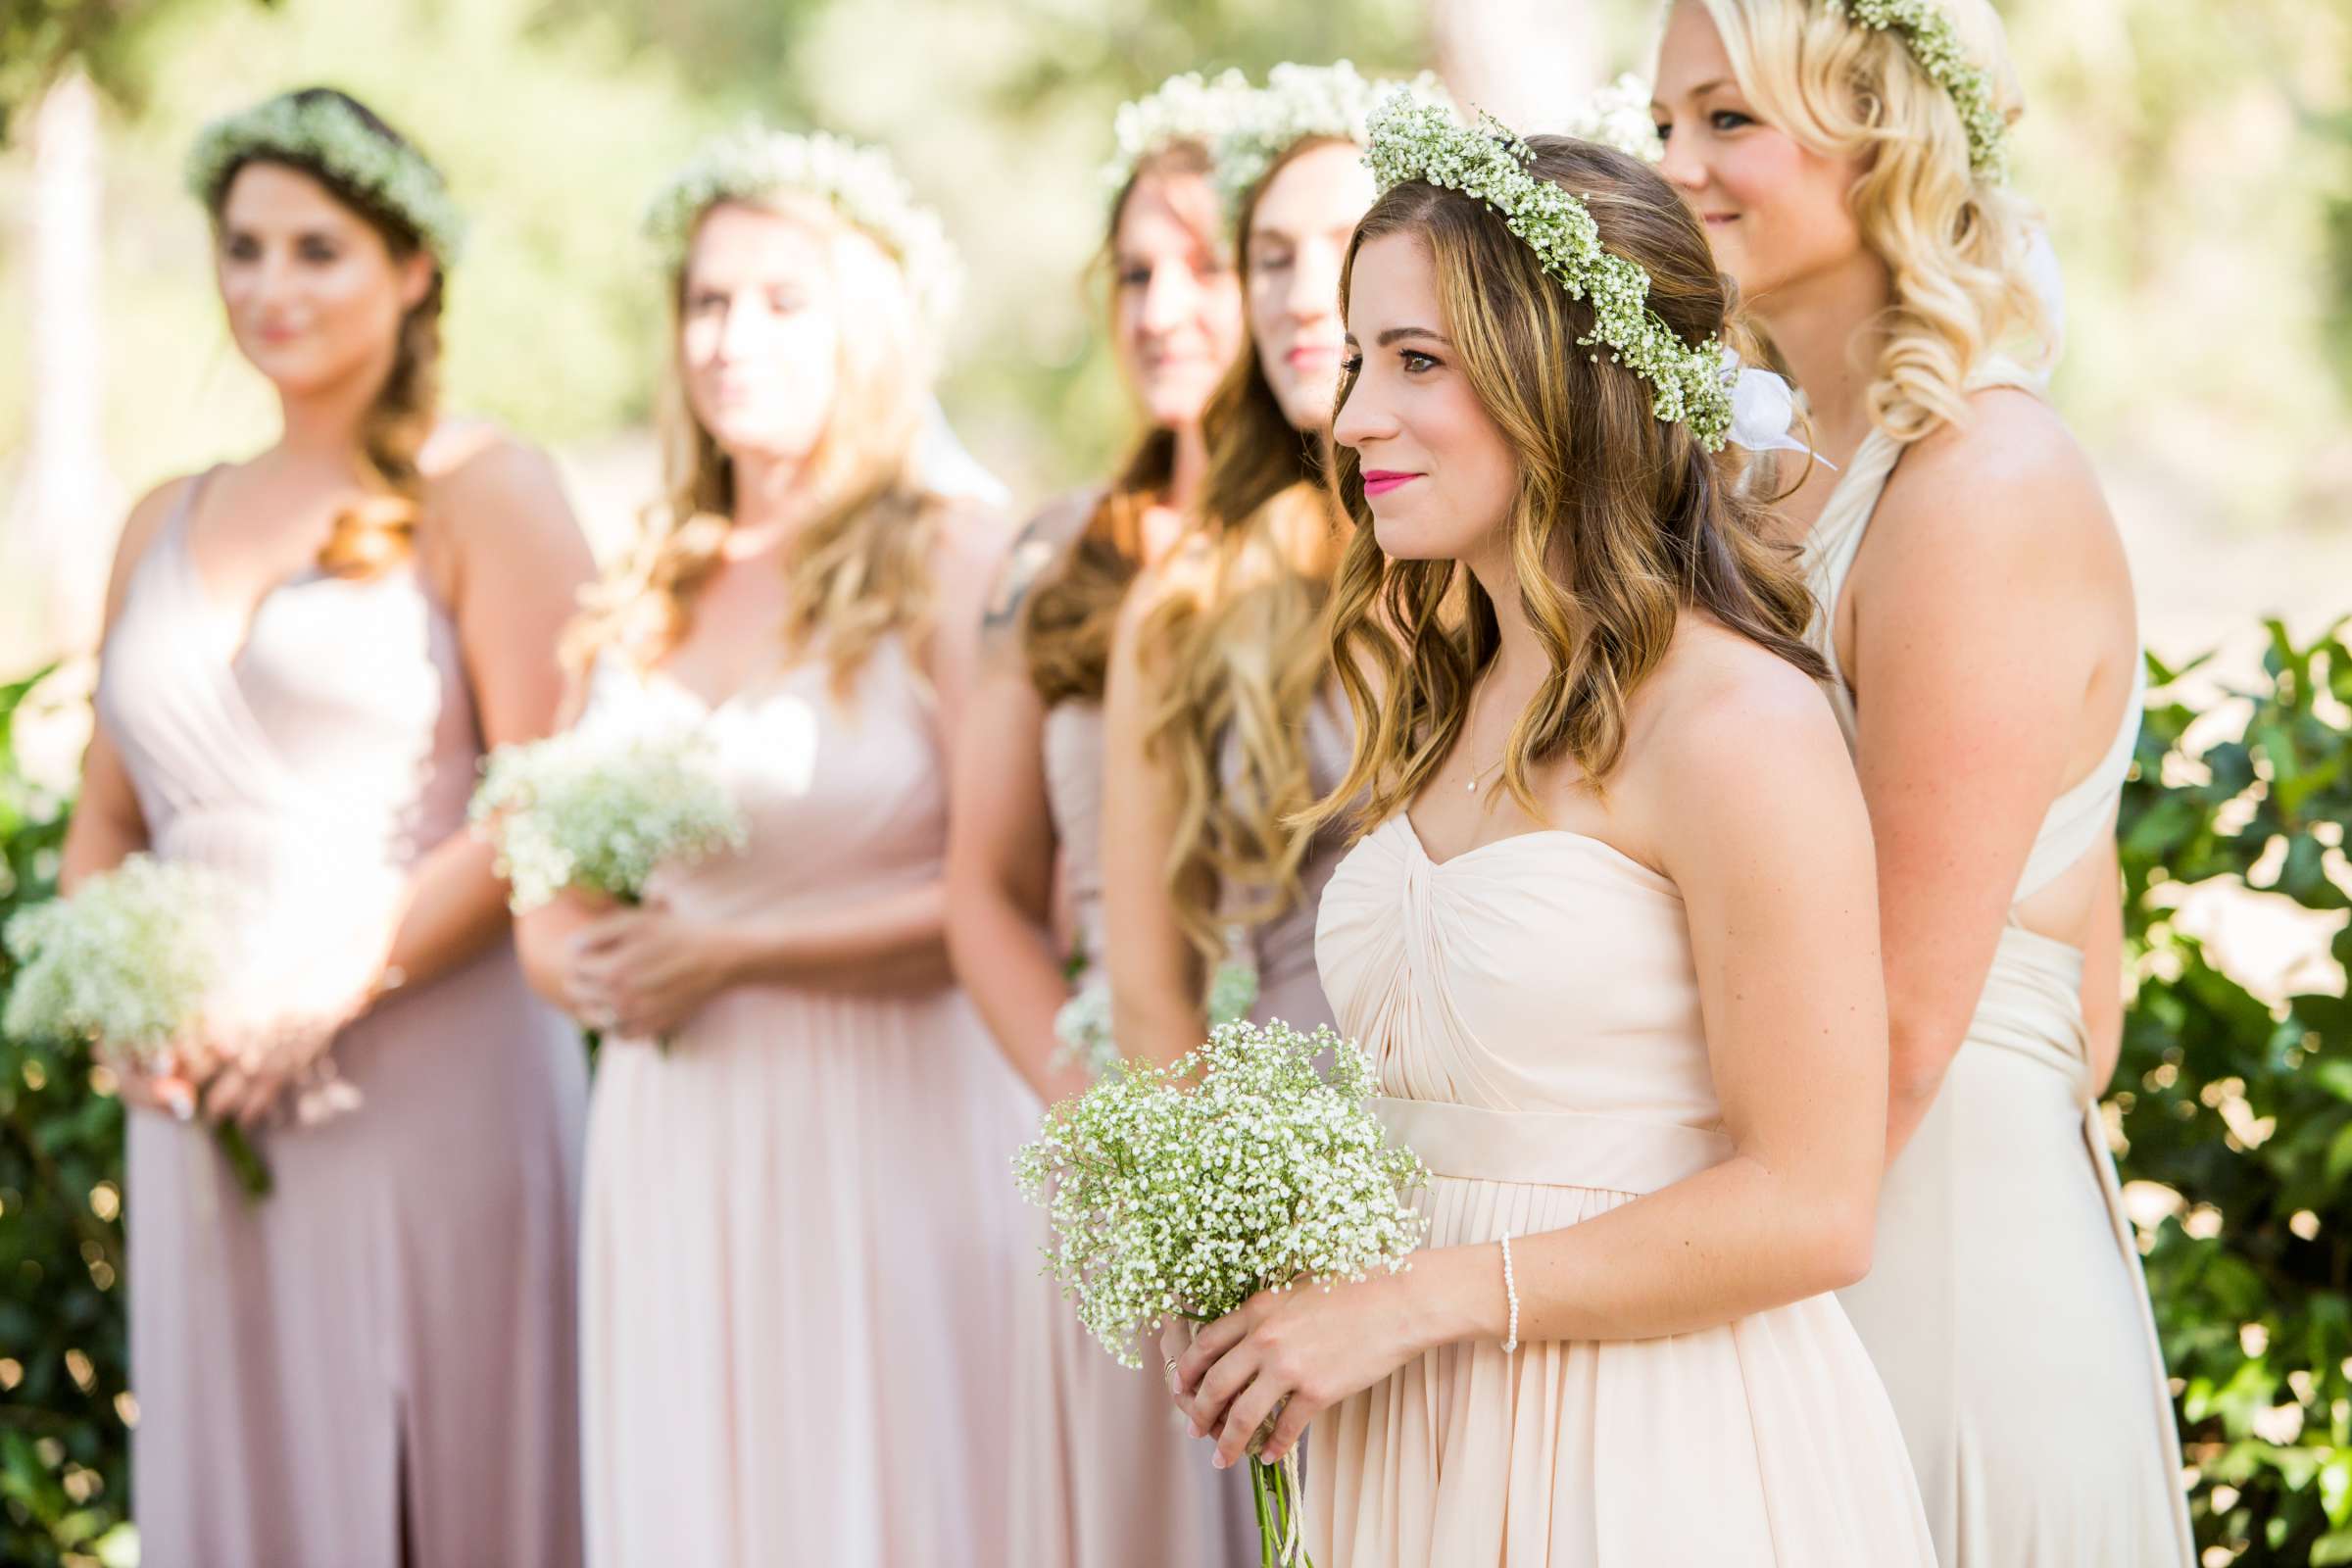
(754, 162)
(1189, 107)
(321, 130)
(1928, 33)
(1298, 103)
(1414, 141)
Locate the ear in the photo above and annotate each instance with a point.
(415, 278)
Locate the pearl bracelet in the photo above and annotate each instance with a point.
(1510, 1290)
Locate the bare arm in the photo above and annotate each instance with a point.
(1155, 974)
(108, 826)
(1001, 844)
(2103, 979)
(1980, 613)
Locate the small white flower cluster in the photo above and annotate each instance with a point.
(126, 961)
(1084, 1027)
(1618, 115)
(1298, 103)
(1927, 30)
(599, 808)
(753, 162)
(1184, 1190)
(1189, 107)
(1487, 163)
(324, 131)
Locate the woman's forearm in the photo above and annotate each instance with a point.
(1004, 957)
(1729, 1242)
(455, 910)
(894, 943)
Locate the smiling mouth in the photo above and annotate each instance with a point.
(1720, 217)
(1380, 481)
(1308, 351)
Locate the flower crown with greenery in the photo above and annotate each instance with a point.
(1189, 107)
(321, 130)
(1303, 102)
(859, 183)
(1935, 43)
(1489, 164)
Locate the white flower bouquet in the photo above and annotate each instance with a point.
(598, 807)
(1184, 1190)
(125, 966)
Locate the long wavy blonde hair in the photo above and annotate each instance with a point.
(858, 569)
(1622, 523)
(1238, 643)
(1954, 245)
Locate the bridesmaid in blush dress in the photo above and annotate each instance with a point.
(1976, 613)
(306, 652)
(800, 1236)
(1103, 1476)
(1608, 939)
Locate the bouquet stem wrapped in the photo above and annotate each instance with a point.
(1183, 1191)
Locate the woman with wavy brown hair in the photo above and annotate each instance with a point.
(799, 1245)
(1101, 1474)
(1606, 934)
(306, 653)
(1976, 611)
(1221, 719)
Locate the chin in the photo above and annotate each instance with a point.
(1308, 405)
(1400, 540)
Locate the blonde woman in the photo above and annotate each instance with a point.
(1977, 615)
(1221, 721)
(1608, 938)
(798, 1250)
(1103, 1476)
(306, 651)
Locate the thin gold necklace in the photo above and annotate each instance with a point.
(1469, 740)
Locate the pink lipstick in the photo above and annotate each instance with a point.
(1380, 481)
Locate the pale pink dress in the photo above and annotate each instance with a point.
(374, 1366)
(1534, 1012)
(1104, 1473)
(801, 1239)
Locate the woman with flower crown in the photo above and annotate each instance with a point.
(1609, 934)
(1976, 612)
(799, 1248)
(1220, 718)
(1101, 1473)
(306, 653)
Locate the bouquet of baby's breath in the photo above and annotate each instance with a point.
(1083, 1026)
(1183, 1191)
(598, 807)
(125, 966)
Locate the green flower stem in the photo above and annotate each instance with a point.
(252, 1171)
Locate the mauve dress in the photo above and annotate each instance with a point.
(374, 1366)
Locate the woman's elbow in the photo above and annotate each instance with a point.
(1843, 1235)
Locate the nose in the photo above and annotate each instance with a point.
(1168, 298)
(1681, 167)
(735, 325)
(1361, 419)
(1314, 282)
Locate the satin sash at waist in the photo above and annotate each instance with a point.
(1550, 1148)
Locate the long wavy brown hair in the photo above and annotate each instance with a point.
(1067, 622)
(378, 529)
(1623, 523)
(1239, 646)
(858, 569)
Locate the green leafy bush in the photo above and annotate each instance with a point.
(2244, 1108)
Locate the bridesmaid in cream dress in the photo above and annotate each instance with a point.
(1221, 719)
(800, 1236)
(1977, 615)
(1103, 1476)
(372, 1366)
(1609, 940)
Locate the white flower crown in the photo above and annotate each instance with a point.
(1300, 101)
(1928, 33)
(858, 181)
(1181, 109)
(1487, 163)
(323, 130)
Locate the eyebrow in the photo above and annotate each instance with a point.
(1397, 334)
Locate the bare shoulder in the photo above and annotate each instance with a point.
(145, 520)
(489, 473)
(2014, 477)
(968, 545)
(1726, 729)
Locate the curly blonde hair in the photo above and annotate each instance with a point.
(1237, 638)
(860, 569)
(1623, 523)
(1954, 244)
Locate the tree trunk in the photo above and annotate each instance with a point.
(1525, 62)
(66, 501)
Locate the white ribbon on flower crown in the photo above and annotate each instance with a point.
(1763, 410)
